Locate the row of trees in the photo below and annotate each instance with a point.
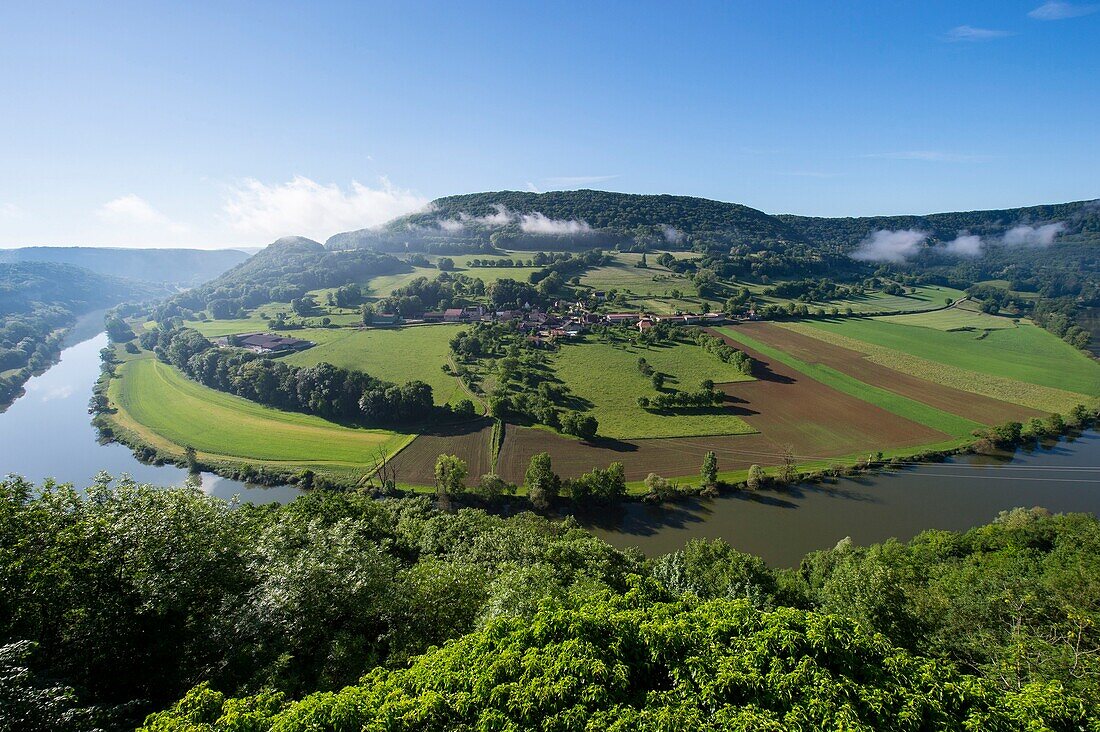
(325, 390)
(542, 485)
(703, 397)
(722, 350)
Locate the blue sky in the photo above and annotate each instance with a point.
(214, 123)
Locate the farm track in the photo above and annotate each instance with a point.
(986, 410)
(788, 408)
(415, 465)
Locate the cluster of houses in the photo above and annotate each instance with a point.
(568, 320)
(264, 342)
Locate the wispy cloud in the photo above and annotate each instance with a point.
(9, 211)
(131, 209)
(305, 207)
(886, 245)
(1033, 236)
(537, 223)
(969, 33)
(1055, 10)
(532, 187)
(576, 181)
(965, 245)
(931, 156)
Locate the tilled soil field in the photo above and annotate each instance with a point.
(790, 411)
(955, 401)
(415, 464)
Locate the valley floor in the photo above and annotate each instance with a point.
(826, 391)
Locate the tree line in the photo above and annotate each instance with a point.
(324, 390)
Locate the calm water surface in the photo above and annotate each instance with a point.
(47, 433)
(782, 526)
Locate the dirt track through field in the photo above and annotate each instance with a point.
(415, 464)
(788, 408)
(955, 401)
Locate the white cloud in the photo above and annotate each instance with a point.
(970, 33)
(965, 245)
(930, 156)
(9, 211)
(307, 208)
(890, 246)
(577, 181)
(132, 209)
(672, 234)
(531, 187)
(502, 217)
(1033, 236)
(1055, 10)
(450, 225)
(536, 223)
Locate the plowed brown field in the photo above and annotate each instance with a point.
(955, 401)
(789, 410)
(415, 464)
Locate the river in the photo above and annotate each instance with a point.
(47, 433)
(783, 525)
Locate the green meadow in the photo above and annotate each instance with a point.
(1026, 353)
(397, 355)
(606, 377)
(170, 411)
(956, 318)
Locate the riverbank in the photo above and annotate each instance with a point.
(82, 328)
(781, 525)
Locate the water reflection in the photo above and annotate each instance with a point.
(47, 433)
(782, 526)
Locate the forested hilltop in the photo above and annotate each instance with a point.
(187, 267)
(282, 271)
(1049, 251)
(38, 302)
(339, 612)
(587, 218)
(581, 219)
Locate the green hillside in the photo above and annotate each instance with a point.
(600, 218)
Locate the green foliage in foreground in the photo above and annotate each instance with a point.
(340, 612)
(630, 663)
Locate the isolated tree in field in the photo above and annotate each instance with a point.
(705, 281)
(710, 469)
(787, 473)
(450, 475)
(192, 459)
(491, 486)
(445, 264)
(541, 482)
(755, 478)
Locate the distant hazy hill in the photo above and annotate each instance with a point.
(24, 285)
(585, 219)
(177, 266)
